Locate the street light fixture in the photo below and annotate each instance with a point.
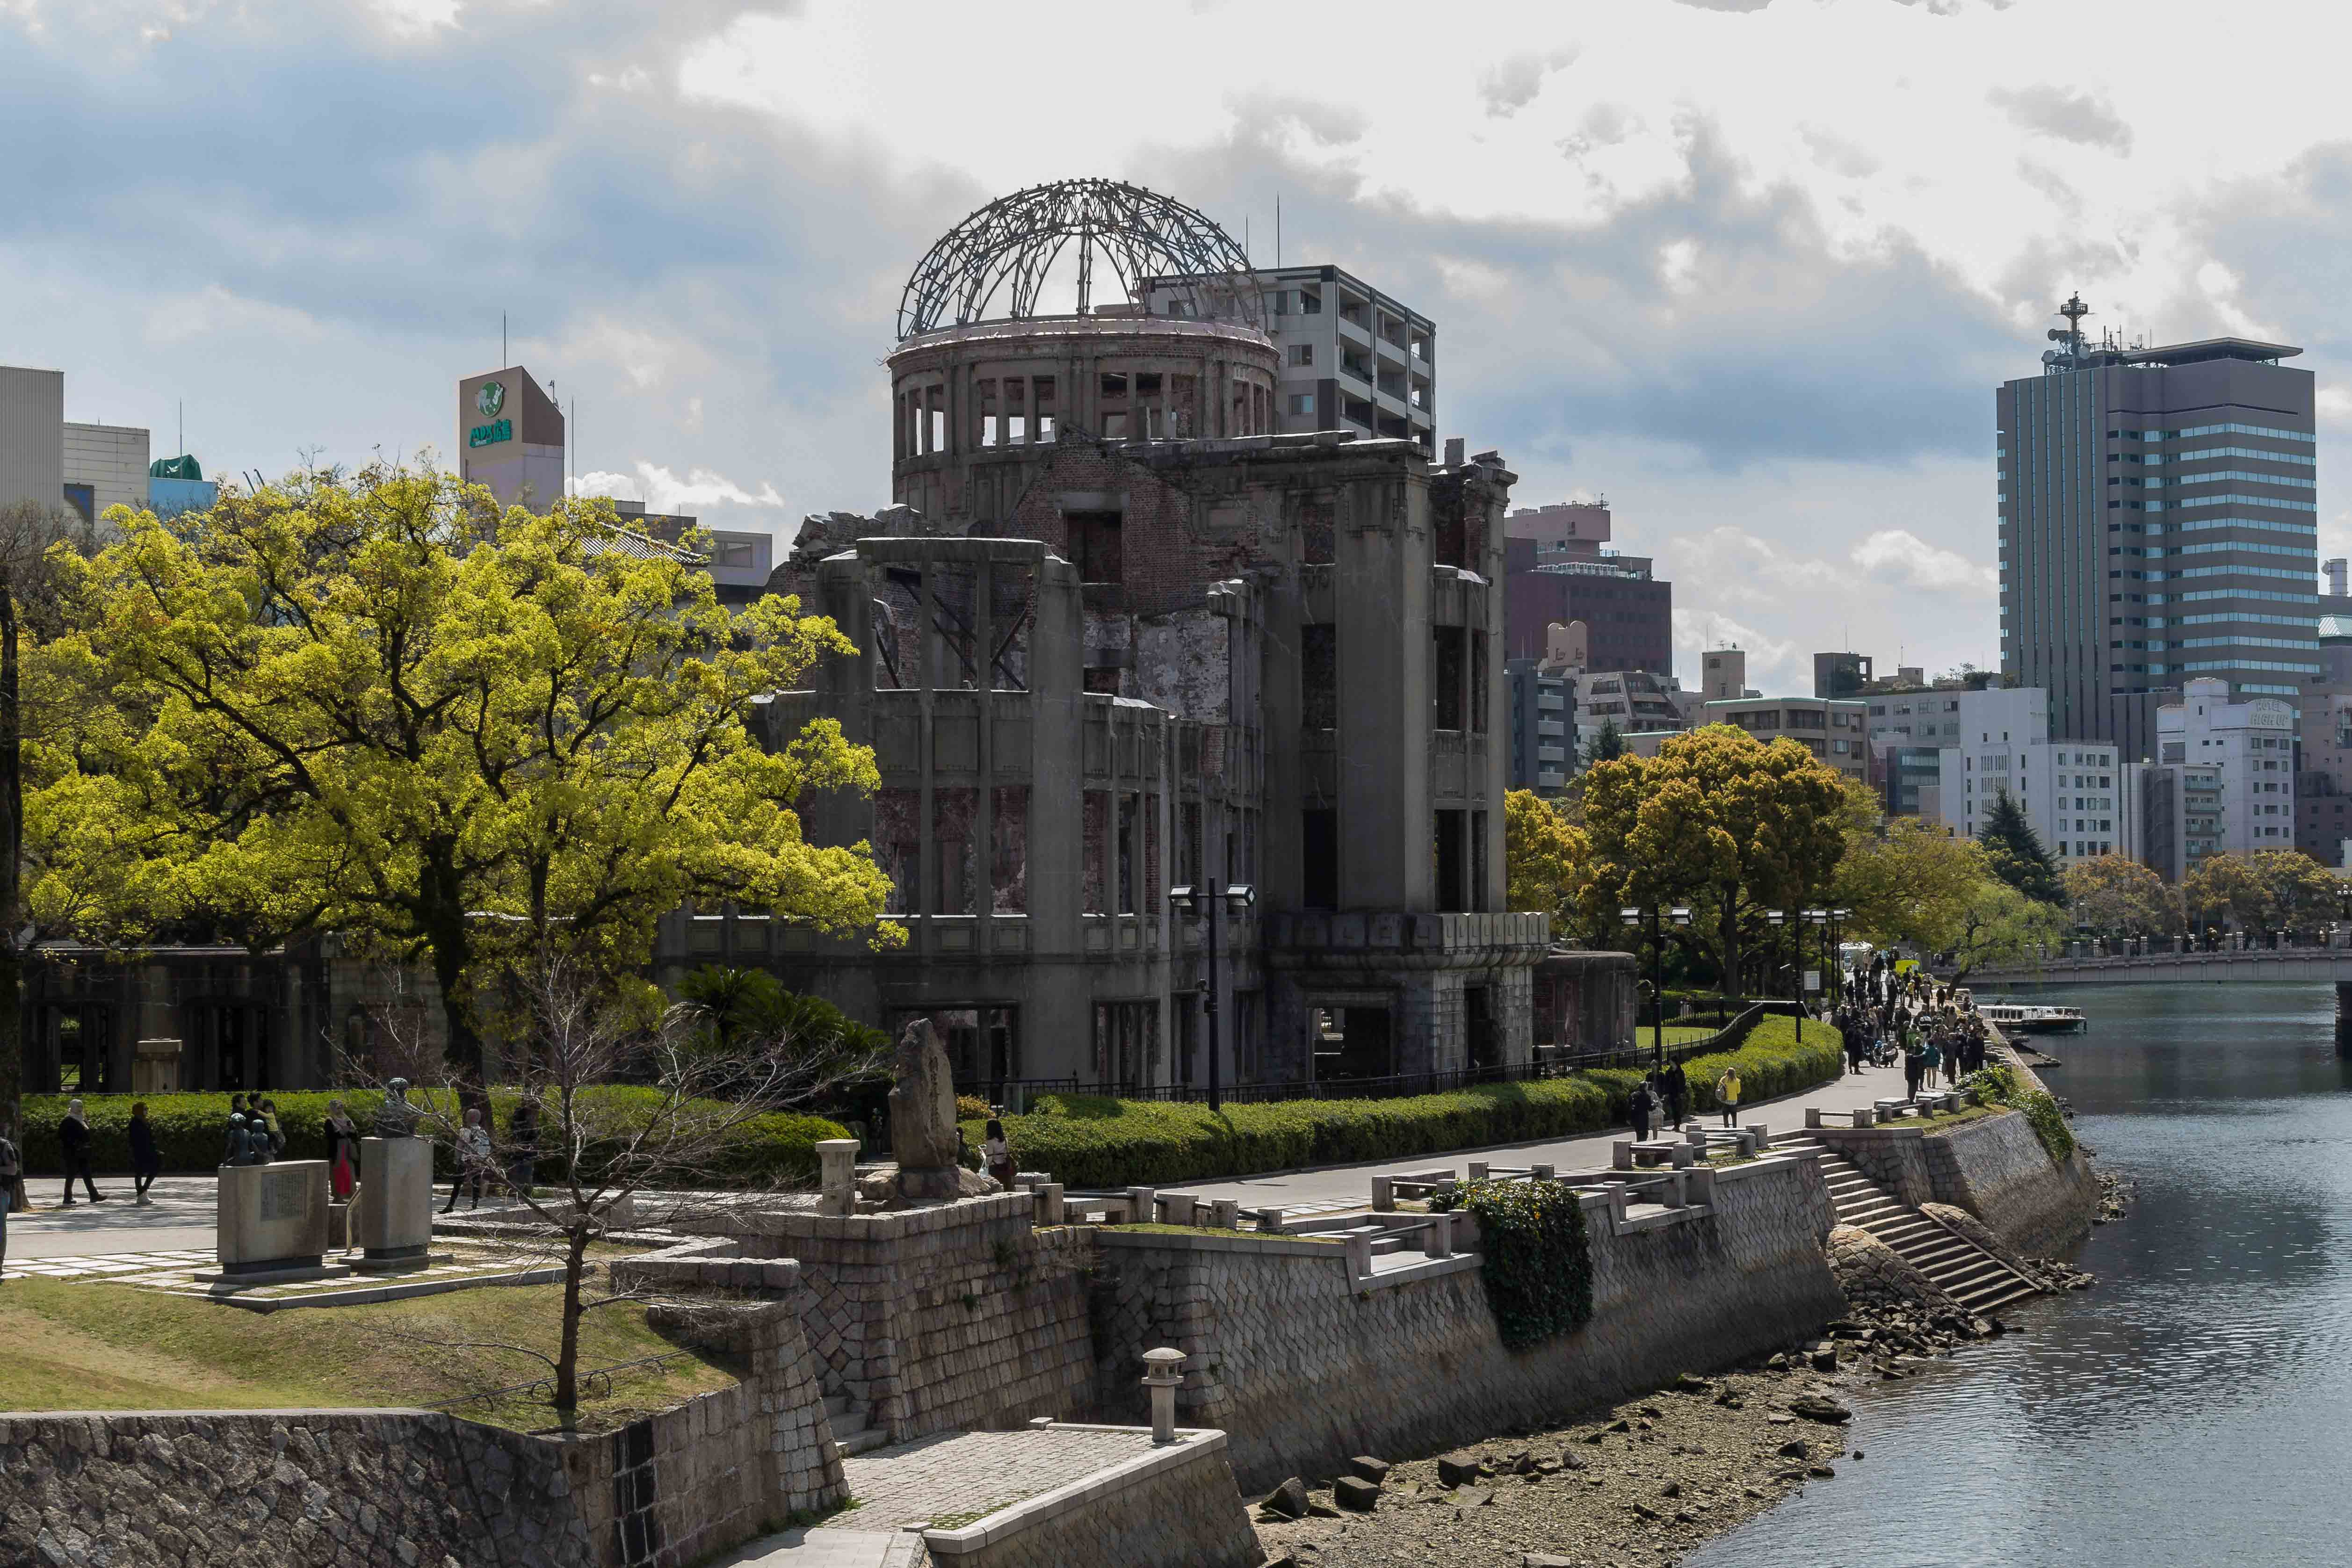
(1634, 916)
(1186, 902)
(1779, 918)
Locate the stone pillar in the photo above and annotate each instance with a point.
(1162, 1371)
(1227, 1214)
(1049, 1203)
(1384, 1187)
(837, 1176)
(1437, 1241)
(395, 1213)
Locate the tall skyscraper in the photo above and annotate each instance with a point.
(2157, 522)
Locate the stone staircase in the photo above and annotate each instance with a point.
(851, 1434)
(1971, 1276)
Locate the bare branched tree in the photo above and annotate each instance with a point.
(614, 1110)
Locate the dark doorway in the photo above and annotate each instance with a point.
(1320, 852)
(1448, 829)
(1479, 1035)
(1351, 1042)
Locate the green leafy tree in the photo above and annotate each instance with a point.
(2001, 927)
(1912, 882)
(1719, 821)
(2260, 891)
(2015, 851)
(1546, 862)
(376, 705)
(2118, 894)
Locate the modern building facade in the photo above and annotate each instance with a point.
(510, 438)
(1835, 730)
(2157, 520)
(2071, 790)
(1559, 568)
(1352, 358)
(104, 465)
(32, 437)
(2249, 746)
(1841, 675)
(1540, 704)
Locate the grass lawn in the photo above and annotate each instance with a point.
(80, 1346)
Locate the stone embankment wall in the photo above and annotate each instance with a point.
(676, 1488)
(1994, 1167)
(281, 1488)
(1303, 1365)
(936, 1320)
(1173, 1508)
(417, 1489)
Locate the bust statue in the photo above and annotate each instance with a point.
(396, 1118)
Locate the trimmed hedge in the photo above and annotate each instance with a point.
(1088, 1141)
(190, 1130)
(1538, 1258)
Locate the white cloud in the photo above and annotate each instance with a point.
(663, 491)
(1901, 559)
(416, 18)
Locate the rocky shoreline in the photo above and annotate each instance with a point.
(1644, 1482)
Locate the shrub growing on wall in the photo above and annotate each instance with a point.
(1538, 1258)
(2001, 1086)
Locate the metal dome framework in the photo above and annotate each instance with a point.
(1012, 243)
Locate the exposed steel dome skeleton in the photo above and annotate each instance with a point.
(1013, 242)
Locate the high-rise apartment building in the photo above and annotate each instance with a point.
(2157, 522)
(1557, 566)
(2068, 788)
(1352, 358)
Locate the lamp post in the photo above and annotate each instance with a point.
(1779, 919)
(1633, 915)
(1185, 902)
(1829, 920)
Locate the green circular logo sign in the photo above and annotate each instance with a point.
(490, 397)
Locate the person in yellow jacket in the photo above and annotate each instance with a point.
(1727, 1094)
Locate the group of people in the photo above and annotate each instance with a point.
(1933, 1028)
(1663, 1099)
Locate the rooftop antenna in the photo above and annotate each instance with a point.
(2070, 335)
(183, 427)
(502, 339)
(1277, 230)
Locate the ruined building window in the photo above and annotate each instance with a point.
(1113, 391)
(1127, 1045)
(898, 846)
(1446, 544)
(1477, 860)
(1043, 386)
(1011, 606)
(1188, 854)
(1008, 875)
(1094, 545)
(1446, 851)
(1016, 426)
(1315, 532)
(1479, 683)
(1183, 406)
(985, 431)
(1445, 676)
(1319, 842)
(952, 812)
(1130, 811)
(1095, 825)
(1318, 677)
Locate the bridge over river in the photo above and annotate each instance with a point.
(2267, 963)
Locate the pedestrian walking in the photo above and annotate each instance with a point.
(73, 1138)
(1932, 1058)
(1638, 1110)
(1727, 1094)
(473, 1152)
(11, 1169)
(523, 1148)
(342, 1151)
(999, 1155)
(1914, 1063)
(1677, 1087)
(146, 1160)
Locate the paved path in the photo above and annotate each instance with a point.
(1332, 1184)
(178, 1218)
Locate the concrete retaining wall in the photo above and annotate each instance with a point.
(1173, 1508)
(1994, 1167)
(1303, 1366)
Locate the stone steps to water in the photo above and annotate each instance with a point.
(1976, 1279)
(851, 1434)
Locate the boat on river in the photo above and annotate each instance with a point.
(2032, 1018)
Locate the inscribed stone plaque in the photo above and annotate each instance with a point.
(284, 1194)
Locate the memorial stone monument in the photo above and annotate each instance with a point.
(923, 1117)
(270, 1219)
(395, 1206)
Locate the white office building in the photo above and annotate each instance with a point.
(105, 465)
(2071, 790)
(2248, 747)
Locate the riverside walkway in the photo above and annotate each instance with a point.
(1324, 1186)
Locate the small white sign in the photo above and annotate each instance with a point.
(1813, 980)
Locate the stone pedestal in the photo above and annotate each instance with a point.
(837, 1176)
(395, 1206)
(156, 1067)
(271, 1219)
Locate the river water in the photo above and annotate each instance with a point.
(2195, 1406)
